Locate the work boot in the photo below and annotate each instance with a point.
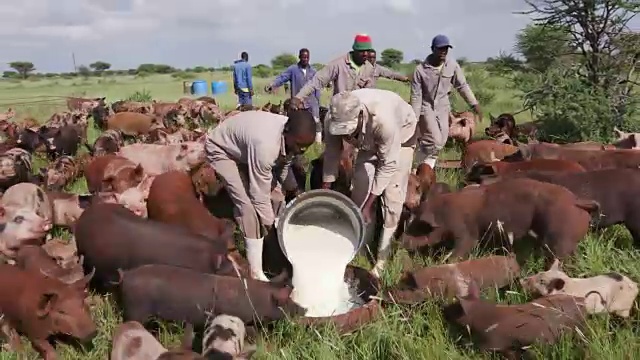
(384, 250)
(254, 255)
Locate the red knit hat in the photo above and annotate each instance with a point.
(362, 42)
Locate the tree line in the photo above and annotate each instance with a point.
(25, 69)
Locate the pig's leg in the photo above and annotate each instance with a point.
(12, 336)
(44, 348)
(464, 243)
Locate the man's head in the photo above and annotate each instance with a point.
(346, 116)
(303, 56)
(244, 56)
(361, 47)
(440, 46)
(372, 56)
(299, 132)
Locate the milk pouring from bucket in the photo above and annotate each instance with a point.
(320, 232)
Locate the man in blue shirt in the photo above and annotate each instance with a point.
(298, 75)
(242, 80)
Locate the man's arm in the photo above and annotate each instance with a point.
(416, 92)
(332, 153)
(385, 72)
(284, 77)
(249, 78)
(319, 81)
(463, 88)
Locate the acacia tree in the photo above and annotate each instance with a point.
(543, 46)
(22, 67)
(391, 57)
(100, 66)
(283, 61)
(597, 30)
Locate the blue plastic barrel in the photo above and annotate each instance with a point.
(218, 87)
(199, 88)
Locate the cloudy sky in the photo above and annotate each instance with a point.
(187, 33)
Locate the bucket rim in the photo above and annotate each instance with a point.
(311, 194)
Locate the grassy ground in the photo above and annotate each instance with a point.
(401, 332)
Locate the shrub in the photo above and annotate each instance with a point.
(140, 96)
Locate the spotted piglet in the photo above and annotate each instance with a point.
(225, 335)
(610, 293)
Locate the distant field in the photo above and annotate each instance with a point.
(400, 333)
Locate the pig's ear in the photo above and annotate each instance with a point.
(107, 182)
(617, 131)
(248, 352)
(473, 291)
(45, 304)
(555, 285)
(281, 296)
(139, 172)
(84, 282)
(555, 266)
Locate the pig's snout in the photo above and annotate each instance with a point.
(46, 226)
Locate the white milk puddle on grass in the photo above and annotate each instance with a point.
(319, 256)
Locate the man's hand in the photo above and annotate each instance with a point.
(326, 185)
(296, 103)
(367, 209)
(478, 111)
(251, 92)
(405, 79)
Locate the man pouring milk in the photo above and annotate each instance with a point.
(382, 126)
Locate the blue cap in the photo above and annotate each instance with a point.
(440, 41)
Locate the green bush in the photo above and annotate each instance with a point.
(570, 108)
(140, 96)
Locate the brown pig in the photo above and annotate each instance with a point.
(505, 168)
(179, 294)
(589, 159)
(481, 152)
(35, 258)
(451, 280)
(507, 329)
(112, 173)
(42, 308)
(418, 185)
(132, 123)
(513, 207)
(172, 200)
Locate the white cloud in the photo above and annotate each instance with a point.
(212, 32)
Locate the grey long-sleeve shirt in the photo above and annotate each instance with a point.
(388, 123)
(430, 88)
(254, 138)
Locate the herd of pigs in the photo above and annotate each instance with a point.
(156, 230)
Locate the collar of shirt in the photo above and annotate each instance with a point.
(351, 63)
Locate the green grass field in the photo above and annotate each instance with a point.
(400, 332)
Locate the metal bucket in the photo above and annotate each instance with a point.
(314, 207)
